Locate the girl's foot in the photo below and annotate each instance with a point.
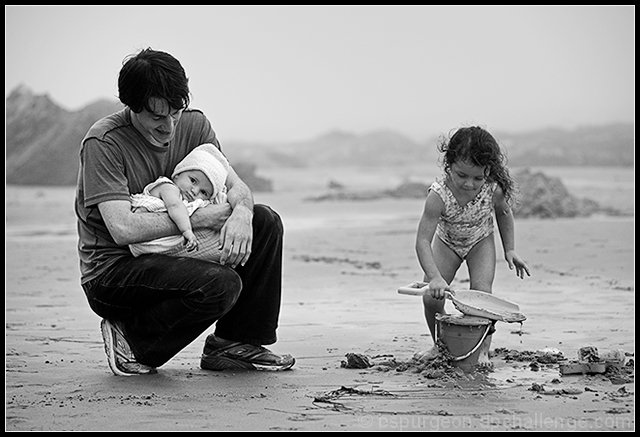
(427, 355)
(484, 362)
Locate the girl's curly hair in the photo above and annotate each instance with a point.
(478, 147)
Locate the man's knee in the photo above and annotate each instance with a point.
(223, 288)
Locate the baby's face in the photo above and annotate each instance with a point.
(193, 184)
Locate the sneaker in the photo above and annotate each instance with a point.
(119, 355)
(222, 354)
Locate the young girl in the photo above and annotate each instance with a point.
(196, 181)
(459, 211)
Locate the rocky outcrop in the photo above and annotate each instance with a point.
(538, 195)
(547, 197)
(43, 139)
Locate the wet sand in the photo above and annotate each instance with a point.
(342, 266)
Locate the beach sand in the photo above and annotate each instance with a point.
(343, 263)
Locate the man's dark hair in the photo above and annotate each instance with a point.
(152, 73)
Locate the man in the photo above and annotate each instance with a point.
(155, 305)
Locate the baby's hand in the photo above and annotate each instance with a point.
(515, 261)
(191, 242)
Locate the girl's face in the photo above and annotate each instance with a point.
(193, 184)
(467, 177)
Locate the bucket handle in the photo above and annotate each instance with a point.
(468, 354)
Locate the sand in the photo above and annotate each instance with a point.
(343, 264)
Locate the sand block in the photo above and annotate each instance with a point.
(576, 367)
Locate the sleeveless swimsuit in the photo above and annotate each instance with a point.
(462, 227)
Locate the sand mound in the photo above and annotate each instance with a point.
(547, 197)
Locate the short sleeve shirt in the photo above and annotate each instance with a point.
(115, 162)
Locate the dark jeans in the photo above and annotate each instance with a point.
(164, 303)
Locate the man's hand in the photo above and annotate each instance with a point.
(212, 216)
(236, 237)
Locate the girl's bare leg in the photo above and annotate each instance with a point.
(448, 263)
(481, 262)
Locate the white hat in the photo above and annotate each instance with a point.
(209, 160)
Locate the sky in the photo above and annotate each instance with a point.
(288, 73)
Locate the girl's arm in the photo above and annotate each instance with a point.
(504, 217)
(433, 208)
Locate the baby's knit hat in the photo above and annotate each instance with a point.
(209, 160)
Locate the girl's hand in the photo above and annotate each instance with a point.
(438, 288)
(191, 242)
(515, 261)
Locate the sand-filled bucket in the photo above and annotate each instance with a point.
(463, 336)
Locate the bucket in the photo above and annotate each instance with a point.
(463, 337)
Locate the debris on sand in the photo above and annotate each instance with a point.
(330, 396)
(624, 374)
(541, 389)
(588, 354)
(613, 365)
(356, 361)
(440, 367)
(545, 356)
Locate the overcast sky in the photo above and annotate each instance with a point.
(282, 73)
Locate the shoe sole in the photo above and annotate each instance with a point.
(109, 341)
(219, 363)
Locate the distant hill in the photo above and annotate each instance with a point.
(336, 148)
(42, 143)
(43, 140)
(608, 145)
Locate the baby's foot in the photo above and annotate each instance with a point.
(428, 355)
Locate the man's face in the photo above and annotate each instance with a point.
(158, 126)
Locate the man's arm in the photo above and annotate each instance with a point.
(236, 236)
(127, 227)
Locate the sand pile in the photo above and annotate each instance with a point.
(442, 366)
(547, 197)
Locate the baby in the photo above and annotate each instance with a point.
(197, 180)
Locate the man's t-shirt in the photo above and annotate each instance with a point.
(116, 161)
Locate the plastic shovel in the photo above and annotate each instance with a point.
(474, 303)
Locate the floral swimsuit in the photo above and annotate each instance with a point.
(462, 227)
